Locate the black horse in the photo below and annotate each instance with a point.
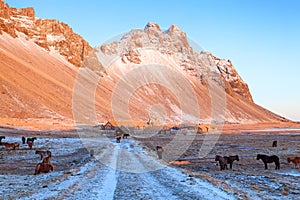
(30, 139)
(269, 159)
(230, 159)
(223, 161)
(274, 144)
(1, 138)
(23, 140)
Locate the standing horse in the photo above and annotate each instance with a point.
(274, 144)
(1, 138)
(159, 151)
(295, 160)
(23, 140)
(269, 159)
(30, 139)
(222, 161)
(118, 139)
(230, 159)
(30, 144)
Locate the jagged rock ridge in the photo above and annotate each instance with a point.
(174, 42)
(49, 34)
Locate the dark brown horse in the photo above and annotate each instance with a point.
(230, 159)
(43, 168)
(159, 151)
(23, 140)
(269, 159)
(30, 139)
(222, 162)
(118, 139)
(30, 144)
(274, 144)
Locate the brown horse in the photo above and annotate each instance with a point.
(8, 145)
(159, 151)
(43, 153)
(17, 144)
(269, 159)
(295, 160)
(30, 144)
(43, 168)
(118, 139)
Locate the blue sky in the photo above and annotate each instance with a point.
(260, 37)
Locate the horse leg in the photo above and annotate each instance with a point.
(230, 165)
(37, 169)
(277, 165)
(266, 165)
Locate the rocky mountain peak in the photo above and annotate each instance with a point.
(174, 29)
(152, 26)
(51, 35)
(174, 43)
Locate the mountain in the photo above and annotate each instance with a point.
(51, 78)
(49, 34)
(156, 75)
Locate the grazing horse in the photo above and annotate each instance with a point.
(125, 135)
(43, 168)
(23, 140)
(1, 138)
(222, 161)
(295, 160)
(118, 139)
(30, 139)
(8, 145)
(230, 159)
(43, 153)
(159, 151)
(17, 144)
(274, 144)
(269, 159)
(30, 144)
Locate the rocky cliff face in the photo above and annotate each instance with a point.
(49, 34)
(174, 43)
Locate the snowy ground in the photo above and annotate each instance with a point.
(131, 170)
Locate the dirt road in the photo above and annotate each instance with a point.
(118, 171)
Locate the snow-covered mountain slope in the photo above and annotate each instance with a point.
(148, 75)
(155, 75)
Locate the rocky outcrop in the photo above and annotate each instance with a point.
(173, 42)
(49, 34)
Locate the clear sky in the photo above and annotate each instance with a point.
(260, 37)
